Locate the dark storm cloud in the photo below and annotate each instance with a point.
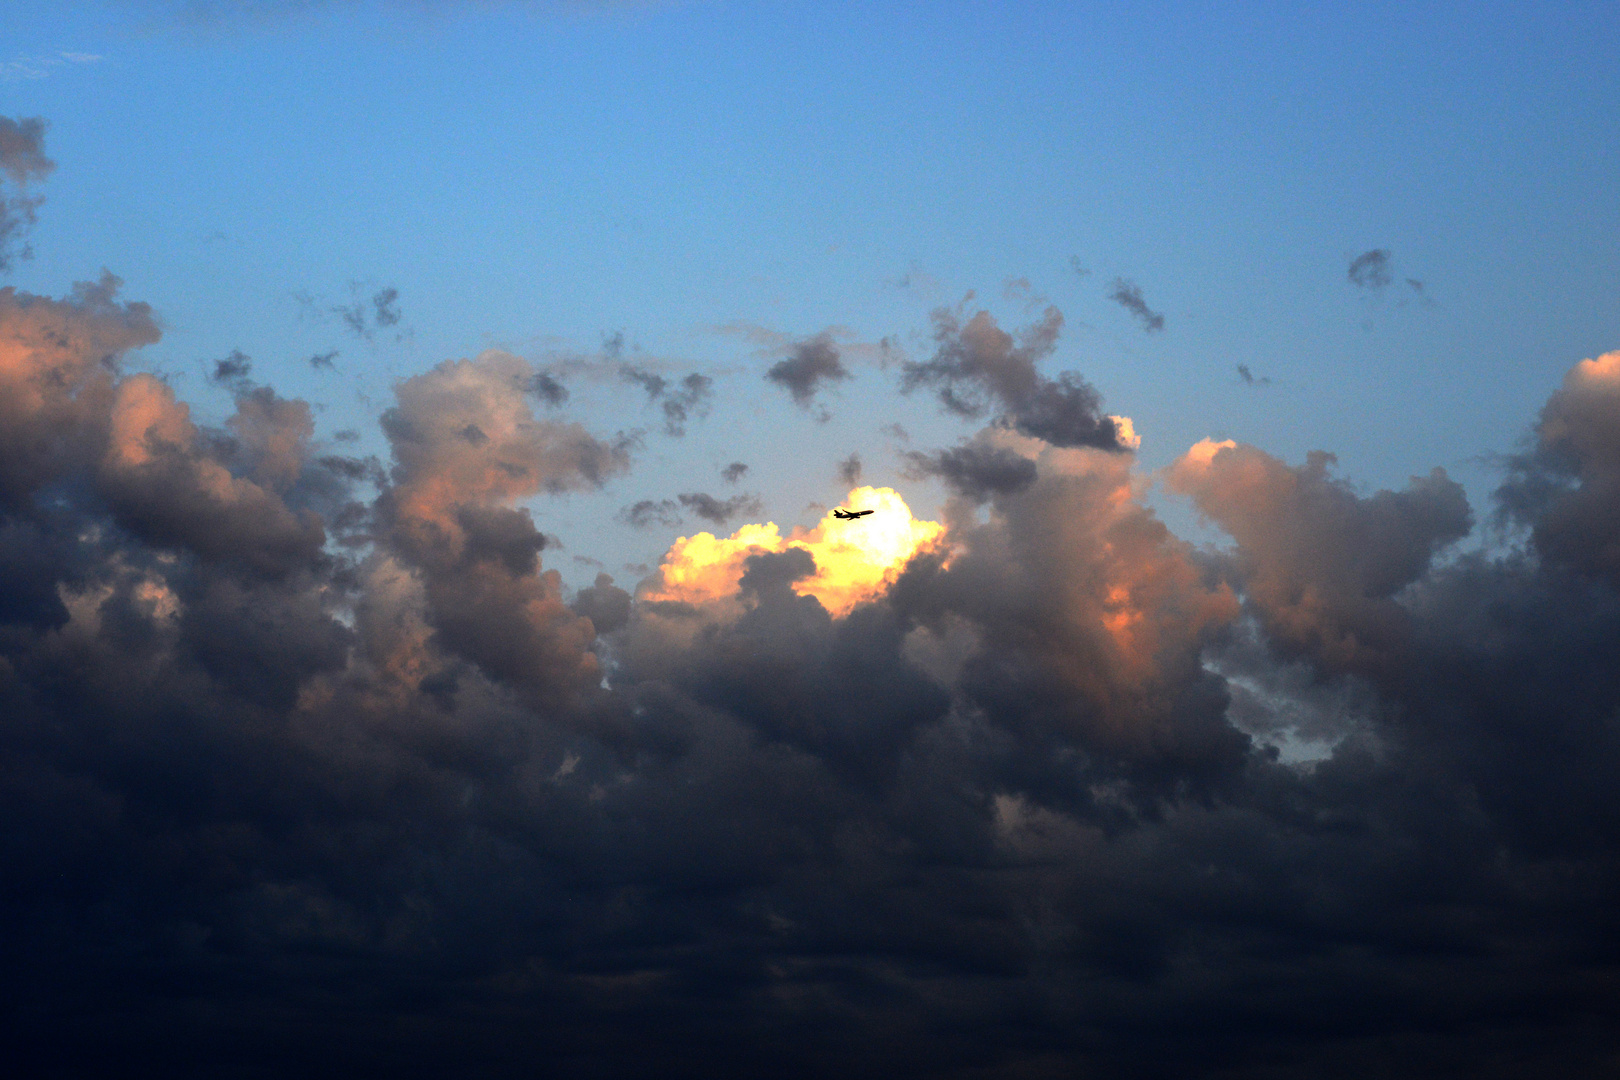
(1371, 270)
(406, 807)
(22, 161)
(978, 364)
(1128, 295)
(811, 365)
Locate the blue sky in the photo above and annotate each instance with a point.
(539, 177)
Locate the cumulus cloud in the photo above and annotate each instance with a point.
(1567, 487)
(1321, 565)
(1002, 793)
(977, 364)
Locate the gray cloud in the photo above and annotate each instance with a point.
(689, 397)
(1321, 565)
(1566, 488)
(976, 470)
(719, 511)
(1128, 295)
(364, 318)
(849, 470)
(232, 370)
(22, 150)
(1249, 379)
(22, 161)
(667, 512)
(1371, 270)
(977, 364)
(810, 366)
(734, 472)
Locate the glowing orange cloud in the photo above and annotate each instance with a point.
(855, 560)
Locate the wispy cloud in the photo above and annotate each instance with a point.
(1128, 295)
(19, 68)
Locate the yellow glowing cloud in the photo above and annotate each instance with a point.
(855, 560)
(1605, 369)
(1203, 451)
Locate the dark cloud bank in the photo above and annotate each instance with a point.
(308, 766)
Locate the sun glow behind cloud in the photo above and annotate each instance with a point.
(855, 560)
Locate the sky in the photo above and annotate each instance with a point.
(426, 647)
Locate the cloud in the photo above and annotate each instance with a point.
(691, 396)
(1567, 487)
(717, 511)
(1008, 792)
(548, 389)
(977, 470)
(1371, 270)
(1128, 295)
(849, 471)
(978, 364)
(667, 512)
(323, 360)
(22, 161)
(365, 318)
(1322, 566)
(810, 366)
(233, 370)
(1248, 377)
(39, 67)
(22, 150)
(734, 472)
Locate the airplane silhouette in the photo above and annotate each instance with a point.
(849, 515)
